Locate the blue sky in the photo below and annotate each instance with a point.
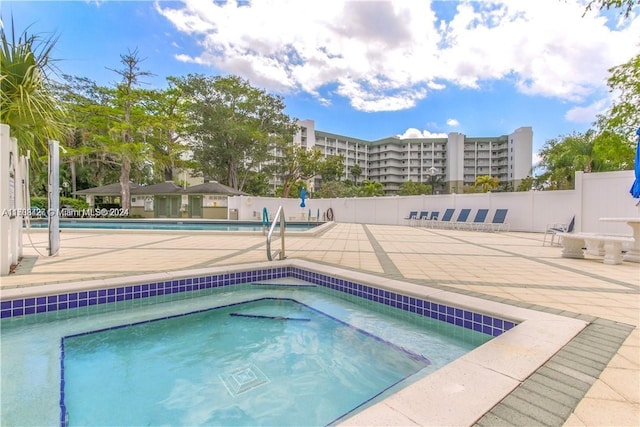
(367, 69)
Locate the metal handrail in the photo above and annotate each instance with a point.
(265, 220)
(280, 253)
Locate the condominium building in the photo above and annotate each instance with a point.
(450, 163)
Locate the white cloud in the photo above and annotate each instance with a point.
(587, 113)
(453, 122)
(385, 56)
(535, 160)
(415, 133)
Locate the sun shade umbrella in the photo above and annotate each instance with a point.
(635, 188)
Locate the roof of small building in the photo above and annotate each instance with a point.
(214, 188)
(105, 190)
(167, 187)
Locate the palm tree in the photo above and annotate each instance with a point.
(27, 102)
(486, 182)
(356, 171)
(371, 188)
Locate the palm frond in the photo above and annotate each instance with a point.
(27, 101)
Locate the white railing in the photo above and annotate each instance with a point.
(280, 253)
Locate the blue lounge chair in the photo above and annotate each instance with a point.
(554, 229)
(424, 215)
(462, 219)
(412, 216)
(498, 222)
(479, 219)
(446, 218)
(432, 219)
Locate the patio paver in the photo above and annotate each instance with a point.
(593, 381)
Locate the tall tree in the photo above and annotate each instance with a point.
(355, 171)
(614, 151)
(127, 147)
(588, 152)
(257, 183)
(297, 164)
(624, 115)
(233, 125)
(332, 168)
(86, 107)
(166, 119)
(27, 102)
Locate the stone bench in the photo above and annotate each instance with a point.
(596, 244)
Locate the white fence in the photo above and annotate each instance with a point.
(597, 195)
(13, 175)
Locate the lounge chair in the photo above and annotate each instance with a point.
(411, 217)
(554, 229)
(424, 215)
(446, 218)
(432, 219)
(461, 220)
(498, 222)
(479, 219)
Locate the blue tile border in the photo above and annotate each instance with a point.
(467, 319)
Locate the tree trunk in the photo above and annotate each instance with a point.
(125, 190)
(72, 168)
(232, 174)
(168, 173)
(286, 189)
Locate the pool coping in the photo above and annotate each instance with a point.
(460, 393)
(320, 229)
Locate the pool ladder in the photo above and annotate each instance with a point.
(280, 253)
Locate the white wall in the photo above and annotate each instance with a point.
(13, 172)
(597, 195)
(606, 195)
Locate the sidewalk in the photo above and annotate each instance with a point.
(508, 267)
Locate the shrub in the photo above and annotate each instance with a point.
(43, 203)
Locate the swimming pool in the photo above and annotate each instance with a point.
(266, 361)
(184, 225)
(31, 373)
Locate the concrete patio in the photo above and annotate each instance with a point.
(512, 267)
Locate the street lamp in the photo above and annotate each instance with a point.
(432, 174)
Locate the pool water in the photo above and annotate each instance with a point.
(266, 355)
(170, 225)
(229, 367)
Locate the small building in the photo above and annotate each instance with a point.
(209, 200)
(106, 196)
(167, 200)
(163, 200)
